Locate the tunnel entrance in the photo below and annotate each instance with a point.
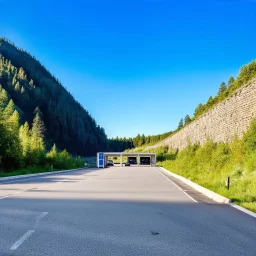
(145, 160)
(132, 160)
(105, 159)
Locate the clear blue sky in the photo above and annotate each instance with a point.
(138, 66)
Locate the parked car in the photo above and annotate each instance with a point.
(127, 164)
(110, 163)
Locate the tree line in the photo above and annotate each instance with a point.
(120, 144)
(30, 85)
(67, 123)
(247, 73)
(22, 145)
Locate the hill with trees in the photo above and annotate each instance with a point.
(29, 86)
(212, 163)
(121, 144)
(226, 89)
(22, 146)
(247, 73)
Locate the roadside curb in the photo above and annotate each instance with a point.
(37, 174)
(240, 208)
(214, 196)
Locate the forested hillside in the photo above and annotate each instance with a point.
(22, 146)
(120, 144)
(29, 85)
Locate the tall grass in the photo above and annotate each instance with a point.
(211, 164)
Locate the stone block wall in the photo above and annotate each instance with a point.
(221, 123)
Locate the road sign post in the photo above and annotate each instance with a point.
(100, 160)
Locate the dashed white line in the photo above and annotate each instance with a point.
(41, 216)
(21, 179)
(22, 240)
(178, 187)
(22, 191)
(11, 195)
(189, 196)
(62, 180)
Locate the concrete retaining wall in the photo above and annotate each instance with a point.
(221, 123)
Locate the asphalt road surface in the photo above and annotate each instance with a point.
(116, 211)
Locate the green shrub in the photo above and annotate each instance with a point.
(210, 165)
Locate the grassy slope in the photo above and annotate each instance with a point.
(210, 168)
(210, 165)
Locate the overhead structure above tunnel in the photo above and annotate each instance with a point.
(137, 159)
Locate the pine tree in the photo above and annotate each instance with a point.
(11, 153)
(52, 156)
(24, 134)
(187, 119)
(38, 128)
(199, 110)
(231, 80)
(4, 100)
(8, 111)
(21, 74)
(17, 87)
(143, 139)
(222, 88)
(37, 139)
(13, 122)
(210, 101)
(31, 83)
(53, 152)
(14, 80)
(180, 123)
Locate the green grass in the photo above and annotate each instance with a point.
(34, 170)
(28, 170)
(210, 166)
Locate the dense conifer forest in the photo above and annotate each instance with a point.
(30, 86)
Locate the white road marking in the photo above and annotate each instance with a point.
(41, 216)
(22, 240)
(47, 174)
(189, 196)
(28, 233)
(243, 210)
(62, 181)
(11, 195)
(22, 179)
(178, 187)
(22, 191)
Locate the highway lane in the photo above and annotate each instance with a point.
(10, 187)
(116, 211)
